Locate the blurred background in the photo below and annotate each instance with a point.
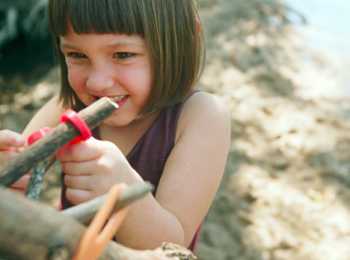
(281, 67)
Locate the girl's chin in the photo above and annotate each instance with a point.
(116, 120)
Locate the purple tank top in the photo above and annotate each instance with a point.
(150, 153)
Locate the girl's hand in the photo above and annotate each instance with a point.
(11, 143)
(91, 168)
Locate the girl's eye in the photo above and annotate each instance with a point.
(123, 55)
(75, 55)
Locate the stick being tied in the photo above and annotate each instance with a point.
(93, 115)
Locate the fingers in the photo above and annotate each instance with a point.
(8, 155)
(76, 196)
(9, 139)
(78, 182)
(101, 165)
(77, 168)
(84, 151)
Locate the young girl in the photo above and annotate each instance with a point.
(146, 55)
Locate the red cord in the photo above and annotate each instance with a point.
(36, 136)
(73, 118)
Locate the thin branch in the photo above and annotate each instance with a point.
(85, 212)
(36, 180)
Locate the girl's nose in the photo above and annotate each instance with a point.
(98, 81)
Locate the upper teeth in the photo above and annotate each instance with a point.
(118, 98)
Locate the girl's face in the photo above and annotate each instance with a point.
(113, 65)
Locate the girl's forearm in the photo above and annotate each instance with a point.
(148, 225)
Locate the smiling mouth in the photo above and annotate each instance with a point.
(120, 100)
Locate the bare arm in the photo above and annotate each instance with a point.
(190, 179)
(48, 116)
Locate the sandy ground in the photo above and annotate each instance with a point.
(285, 194)
(286, 190)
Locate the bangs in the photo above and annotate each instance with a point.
(98, 16)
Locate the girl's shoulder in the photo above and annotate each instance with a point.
(204, 112)
(47, 116)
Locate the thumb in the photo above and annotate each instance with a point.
(10, 139)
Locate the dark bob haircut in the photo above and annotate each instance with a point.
(170, 29)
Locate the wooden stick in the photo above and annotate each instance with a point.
(32, 230)
(86, 211)
(62, 134)
(35, 184)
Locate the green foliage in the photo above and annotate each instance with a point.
(27, 17)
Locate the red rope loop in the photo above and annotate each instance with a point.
(73, 118)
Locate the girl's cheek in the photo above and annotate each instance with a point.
(75, 78)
